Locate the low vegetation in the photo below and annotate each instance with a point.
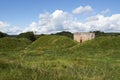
(54, 57)
(52, 42)
(13, 44)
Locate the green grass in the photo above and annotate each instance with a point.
(52, 42)
(10, 44)
(60, 58)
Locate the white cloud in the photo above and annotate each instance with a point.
(63, 21)
(32, 27)
(10, 29)
(58, 21)
(105, 11)
(83, 10)
(108, 24)
(3, 24)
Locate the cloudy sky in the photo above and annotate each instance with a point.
(50, 16)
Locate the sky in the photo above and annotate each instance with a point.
(51, 16)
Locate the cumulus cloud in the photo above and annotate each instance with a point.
(32, 27)
(10, 29)
(60, 20)
(83, 10)
(108, 24)
(55, 22)
(63, 21)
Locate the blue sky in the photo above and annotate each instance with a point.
(24, 15)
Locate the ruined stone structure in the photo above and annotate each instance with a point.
(83, 36)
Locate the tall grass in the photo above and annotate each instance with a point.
(12, 44)
(97, 59)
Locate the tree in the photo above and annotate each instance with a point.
(98, 33)
(65, 33)
(28, 35)
(3, 34)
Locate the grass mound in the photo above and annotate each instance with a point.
(10, 44)
(105, 43)
(101, 48)
(97, 59)
(52, 42)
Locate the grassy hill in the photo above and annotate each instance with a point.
(61, 58)
(101, 48)
(99, 44)
(52, 42)
(108, 42)
(11, 44)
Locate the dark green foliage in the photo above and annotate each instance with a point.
(111, 34)
(65, 33)
(28, 35)
(100, 33)
(38, 36)
(3, 34)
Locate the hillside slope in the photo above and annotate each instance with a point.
(96, 59)
(52, 42)
(10, 44)
(64, 59)
(101, 47)
(103, 43)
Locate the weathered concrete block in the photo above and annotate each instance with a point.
(83, 36)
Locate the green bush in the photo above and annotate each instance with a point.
(3, 34)
(28, 35)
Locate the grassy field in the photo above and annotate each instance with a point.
(60, 58)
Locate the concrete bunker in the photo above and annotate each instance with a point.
(83, 36)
